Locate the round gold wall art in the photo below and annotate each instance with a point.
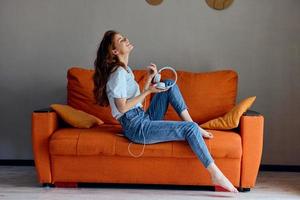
(154, 2)
(219, 4)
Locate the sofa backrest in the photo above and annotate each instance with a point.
(207, 94)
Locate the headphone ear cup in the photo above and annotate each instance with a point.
(161, 85)
(156, 78)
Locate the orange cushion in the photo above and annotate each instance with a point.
(92, 141)
(80, 93)
(207, 94)
(105, 141)
(223, 145)
(74, 117)
(231, 119)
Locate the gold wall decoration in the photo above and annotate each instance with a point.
(219, 4)
(154, 2)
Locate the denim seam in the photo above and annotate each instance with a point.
(207, 158)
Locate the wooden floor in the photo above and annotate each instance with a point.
(19, 182)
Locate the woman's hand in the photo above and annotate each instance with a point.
(154, 89)
(152, 70)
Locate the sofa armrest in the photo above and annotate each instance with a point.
(251, 113)
(251, 131)
(43, 110)
(44, 123)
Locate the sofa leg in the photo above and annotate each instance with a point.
(241, 189)
(47, 185)
(66, 184)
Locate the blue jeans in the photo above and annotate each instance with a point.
(136, 122)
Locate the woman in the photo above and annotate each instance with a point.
(115, 86)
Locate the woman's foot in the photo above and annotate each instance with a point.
(186, 117)
(205, 134)
(224, 182)
(219, 179)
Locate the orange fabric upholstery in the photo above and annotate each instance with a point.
(92, 141)
(207, 94)
(118, 169)
(42, 126)
(100, 155)
(214, 91)
(80, 93)
(104, 141)
(252, 128)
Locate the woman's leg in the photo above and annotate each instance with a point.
(155, 131)
(157, 110)
(185, 115)
(160, 102)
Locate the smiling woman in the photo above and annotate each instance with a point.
(115, 85)
(122, 45)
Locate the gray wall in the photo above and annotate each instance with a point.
(260, 39)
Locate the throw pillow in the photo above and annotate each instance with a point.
(231, 119)
(74, 117)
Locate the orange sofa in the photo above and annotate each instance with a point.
(65, 155)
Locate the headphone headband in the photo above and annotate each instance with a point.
(174, 72)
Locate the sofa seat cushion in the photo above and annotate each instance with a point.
(92, 141)
(225, 144)
(105, 140)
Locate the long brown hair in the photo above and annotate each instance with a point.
(105, 64)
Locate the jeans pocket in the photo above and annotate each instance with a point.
(131, 115)
(125, 121)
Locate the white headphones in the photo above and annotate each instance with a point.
(162, 85)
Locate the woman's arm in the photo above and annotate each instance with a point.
(152, 70)
(124, 105)
(147, 84)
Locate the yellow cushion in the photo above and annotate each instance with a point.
(74, 117)
(231, 119)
